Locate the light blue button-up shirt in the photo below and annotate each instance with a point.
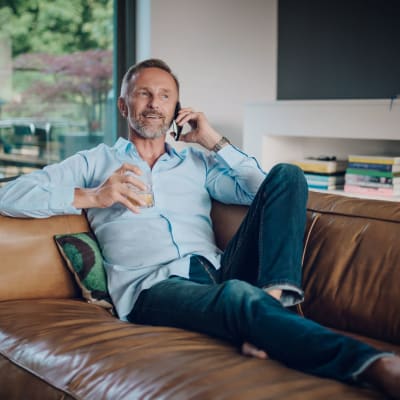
(142, 249)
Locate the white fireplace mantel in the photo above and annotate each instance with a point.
(281, 131)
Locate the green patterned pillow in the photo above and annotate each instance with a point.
(83, 257)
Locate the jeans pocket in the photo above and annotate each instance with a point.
(202, 271)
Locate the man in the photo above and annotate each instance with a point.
(162, 263)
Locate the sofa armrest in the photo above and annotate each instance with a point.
(351, 269)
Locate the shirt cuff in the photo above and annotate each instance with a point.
(230, 155)
(61, 200)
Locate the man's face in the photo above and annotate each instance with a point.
(151, 101)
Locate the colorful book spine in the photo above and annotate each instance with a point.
(374, 159)
(364, 179)
(368, 172)
(371, 190)
(325, 179)
(320, 166)
(375, 167)
(325, 187)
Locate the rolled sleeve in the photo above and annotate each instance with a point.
(61, 200)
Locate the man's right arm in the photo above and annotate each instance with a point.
(47, 192)
(67, 188)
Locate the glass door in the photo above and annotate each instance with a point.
(56, 69)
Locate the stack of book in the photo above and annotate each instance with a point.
(323, 173)
(373, 175)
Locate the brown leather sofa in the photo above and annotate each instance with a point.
(53, 345)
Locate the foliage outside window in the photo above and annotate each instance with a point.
(61, 60)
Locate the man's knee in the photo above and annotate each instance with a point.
(287, 177)
(287, 172)
(236, 294)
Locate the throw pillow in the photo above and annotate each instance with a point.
(82, 255)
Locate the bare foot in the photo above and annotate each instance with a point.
(252, 351)
(385, 374)
(277, 293)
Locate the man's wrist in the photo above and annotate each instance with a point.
(84, 198)
(220, 144)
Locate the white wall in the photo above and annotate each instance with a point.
(224, 53)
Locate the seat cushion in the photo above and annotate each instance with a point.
(81, 350)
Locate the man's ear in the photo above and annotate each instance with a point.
(123, 109)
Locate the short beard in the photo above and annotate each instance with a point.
(146, 132)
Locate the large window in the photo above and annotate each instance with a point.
(56, 69)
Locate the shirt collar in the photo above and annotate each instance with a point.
(172, 151)
(124, 146)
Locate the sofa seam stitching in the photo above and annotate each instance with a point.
(37, 375)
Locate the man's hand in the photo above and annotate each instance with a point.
(202, 132)
(115, 189)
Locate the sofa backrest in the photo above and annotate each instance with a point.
(226, 221)
(30, 264)
(351, 268)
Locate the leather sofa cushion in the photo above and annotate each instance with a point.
(31, 266)
(81, 350)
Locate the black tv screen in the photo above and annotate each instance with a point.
(338, 49)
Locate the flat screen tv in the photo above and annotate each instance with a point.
(338, 49)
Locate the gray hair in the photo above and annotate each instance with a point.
(150, 63)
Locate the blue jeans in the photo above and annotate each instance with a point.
(231, 304)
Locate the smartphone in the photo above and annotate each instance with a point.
(178, 129)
